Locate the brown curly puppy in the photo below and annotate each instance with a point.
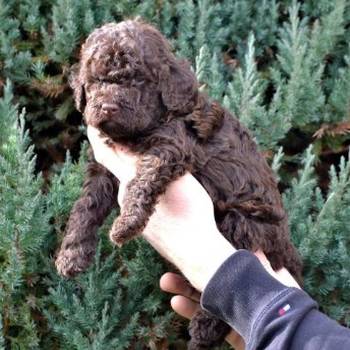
(131, 86)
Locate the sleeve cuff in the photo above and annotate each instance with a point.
(240, 290)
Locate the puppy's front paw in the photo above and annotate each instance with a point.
(71, 262)
(124, 229)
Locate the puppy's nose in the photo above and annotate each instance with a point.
(109, 108)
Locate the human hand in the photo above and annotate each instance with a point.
(186, 303)
(183, 227)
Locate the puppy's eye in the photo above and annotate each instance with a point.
(108, 80)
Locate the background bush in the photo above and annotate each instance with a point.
(283, 68)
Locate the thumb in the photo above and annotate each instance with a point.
(113, 156)
(121, 191)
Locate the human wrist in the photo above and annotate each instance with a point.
(210, 254)
(282, 275)
(196, 249)
(240, 284)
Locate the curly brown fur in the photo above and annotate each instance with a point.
(131, 86)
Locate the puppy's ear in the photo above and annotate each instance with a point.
(78, 88)
(178, 86)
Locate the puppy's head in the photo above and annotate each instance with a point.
(128, 81)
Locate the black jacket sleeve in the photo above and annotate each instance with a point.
(265, 312)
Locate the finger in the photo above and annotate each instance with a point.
(99, 140)
(102, 152)
(187, 308)
(121, 192)
(95, 137)
(176, 284)
(184, 307)
(284, 276)
(92, 132)
(115, 157)
(235, 340)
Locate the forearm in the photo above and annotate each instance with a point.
(268, 314)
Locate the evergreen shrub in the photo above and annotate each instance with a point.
(283, 68)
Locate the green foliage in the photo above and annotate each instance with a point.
(320, 229)
(301, 63)
(292, 75)
(66, 187)
(14, 62)
(2, 340)
(24, 226)
(298, 76)
(210, 72)
(245, 97)
(65, 34)
(339, 98)
(166, 24)
(186, 27)
(115, 304)
(281, 66)
(90, 313)
(277, 162)
(301, 192)
(242, 17)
